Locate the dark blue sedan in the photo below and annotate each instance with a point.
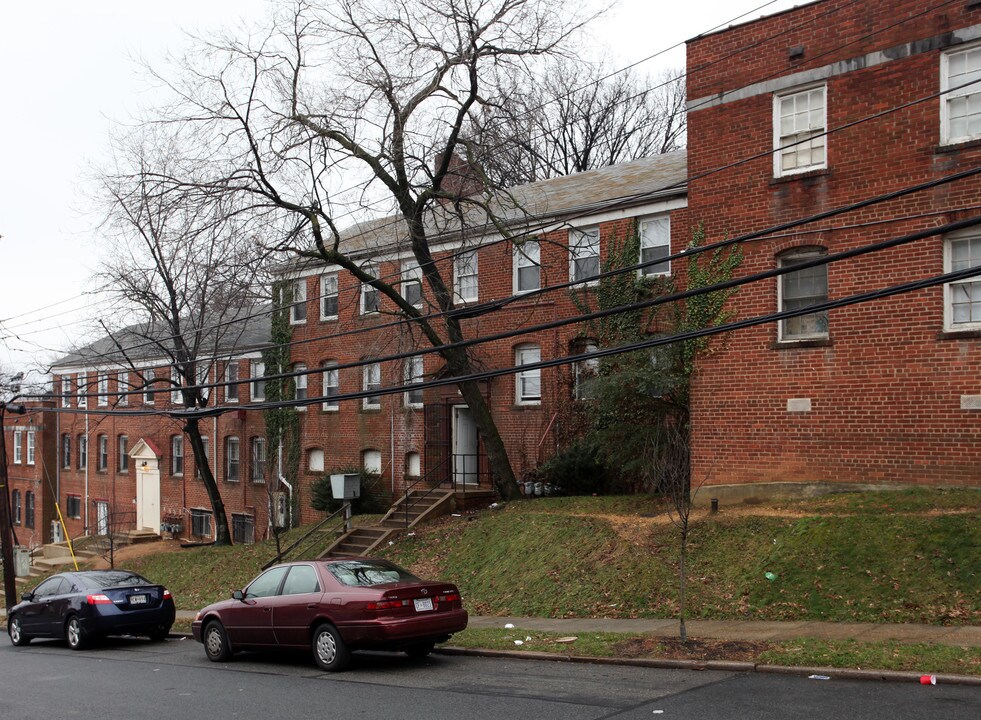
(83, 606)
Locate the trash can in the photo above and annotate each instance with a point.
(22, 562)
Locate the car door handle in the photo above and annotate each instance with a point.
(266, 609)
(312, 606)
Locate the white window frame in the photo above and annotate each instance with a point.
(202, 371)
(102, 453)
(527, 354)
(231, 378)
(971, 92)
(651, 229)
(102, 389)
(298, 302)
(83, 387)
(176, 381)
(465, 276)
(122, 387)
(778, 136)
(332, 385)
(328, 291)
(148, 392)
(525, 255)
(300, 384)
(367, 290)
(66, 451)
(371, 380)
(257, 383)
(411, 275)
(257, 458)
(66, 391)
(122, 453)
(31, 446)
(18, 447)
(804, 253)
(176, 444)
(971, 236)
(233, 458)
(414, 370)
(83, 451)
(371, 461)
(584, 244)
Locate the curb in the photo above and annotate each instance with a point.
(722, 665)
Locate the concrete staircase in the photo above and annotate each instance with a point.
(418, 506)
(57, 557)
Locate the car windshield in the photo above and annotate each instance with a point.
(369, 572)
(112, 578)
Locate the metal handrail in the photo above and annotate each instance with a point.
(316, 528)
(432, 486)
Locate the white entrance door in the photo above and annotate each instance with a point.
(148, 498)
(101, 518)
(465, 456)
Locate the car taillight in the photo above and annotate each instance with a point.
(98, 599)
(386, 604)
(167, 595)
(450, 597)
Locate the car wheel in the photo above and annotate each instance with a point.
(329, 649)
(159, 634)
(216, 645)
(17, 636)
(75, 634)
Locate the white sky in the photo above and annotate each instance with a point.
(67, 74)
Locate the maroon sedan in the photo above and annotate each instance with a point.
(333, 606)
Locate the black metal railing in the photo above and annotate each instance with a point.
(459, 468)
(337, 516)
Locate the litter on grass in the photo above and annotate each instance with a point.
(770, 576)
(571, 638)
(509, 626)
(519, 642)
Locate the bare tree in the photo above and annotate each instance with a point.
(576, 117)
(342, 111)
(182, 267)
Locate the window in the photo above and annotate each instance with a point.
(332, 385)
(801, 289)
(102, 454)
(176, 397)
(73, 506)
(328, 296)
(231, 459)
(29, 509)
(30, 446)
(315, 460)
(148, 376)
(372, 381)
(258, 460)
(371, 461)
(83, 389)
(298, 308)
(66, 391)
(527, 268)
(258, 383)
(231, 377)
(369, 295)
(16, 508)
(83, 451)
(123, 452)
(528, 383)
(18, 447)
(655, 243)
(584, 372)
(267, 584)
(584, 252)
(413, 376)
(412, 283)
(243, 529)
(412, 465)
(300, 382)
(200, 522)
(201, 371)
(177, 455)
(301, 581)
(799, 122)
(960, 109)
(197, 466)
(66, 452)
(465, 276)
(962, 298)
(102, 390)
(122, 386)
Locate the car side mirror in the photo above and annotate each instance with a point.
(238, 595)
(27, 597)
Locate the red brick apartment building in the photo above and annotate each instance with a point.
(884, 392)
(31, 452)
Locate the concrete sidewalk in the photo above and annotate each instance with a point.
(962, 635)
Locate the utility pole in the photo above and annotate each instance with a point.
(6, 529)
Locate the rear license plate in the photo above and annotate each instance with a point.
(423, 604)
(137, 599)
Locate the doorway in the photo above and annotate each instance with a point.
(101, 517)
(466, 458)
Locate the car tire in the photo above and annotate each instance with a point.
(216, 645)
(16, 633)
(420, 650)
(75, 634)
(159, 634)
(329, 649)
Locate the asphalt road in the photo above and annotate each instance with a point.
(136, 679)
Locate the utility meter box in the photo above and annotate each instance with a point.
(22, 562)
(280, 509)
(346, 486)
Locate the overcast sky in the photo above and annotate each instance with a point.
(67, 74)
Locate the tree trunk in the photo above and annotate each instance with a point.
(682, 630)
(497, 456)
(222, 536)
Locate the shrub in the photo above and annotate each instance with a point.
(577, 470)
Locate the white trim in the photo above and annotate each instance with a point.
(367, 371)
(641, 224)
(945, 138)
(582, 250)
(522, 259)
(412, 377)
(949, 326)
(475, 267)
(330, 405)
(298, 287)
(778, 99)
(808, 252)
(520, 398)
(336, 294)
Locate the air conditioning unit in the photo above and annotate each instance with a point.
(280, 510)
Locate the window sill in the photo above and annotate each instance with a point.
(959, 334)
(371, 410)
(820, 172)
(945, 148)
(329, 319)
(526, 406)
(801, 344)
